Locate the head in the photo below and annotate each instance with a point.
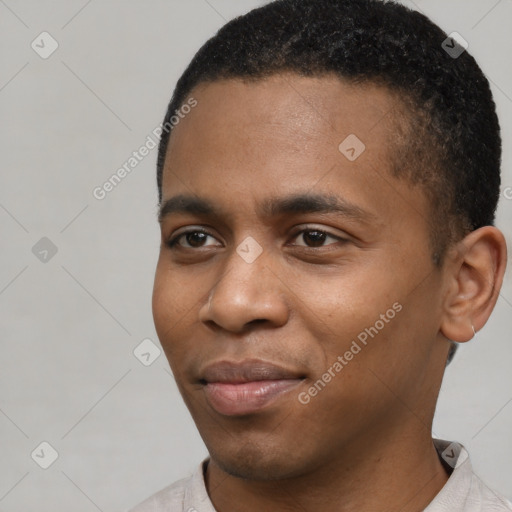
(344, 170)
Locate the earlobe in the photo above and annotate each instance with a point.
(475, 275)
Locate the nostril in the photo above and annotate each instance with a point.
(257, 321)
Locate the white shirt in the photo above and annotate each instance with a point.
(463, 492)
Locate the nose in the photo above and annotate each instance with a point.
(246, 294)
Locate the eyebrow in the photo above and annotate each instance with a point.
(298, 203)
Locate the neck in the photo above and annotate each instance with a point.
(402, 473)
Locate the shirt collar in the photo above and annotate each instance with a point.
(452, 497)
(196, 497)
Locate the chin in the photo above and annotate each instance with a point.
(254, 462)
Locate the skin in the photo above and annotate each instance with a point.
(364, 442)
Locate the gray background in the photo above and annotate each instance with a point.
(68, 375)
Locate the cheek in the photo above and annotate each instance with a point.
(161, 300)
(166, 317)
(170, 303)
(176, 301)
(174, 290)
(339, 306)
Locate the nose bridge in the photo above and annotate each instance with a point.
(248, 290)
(244, 279)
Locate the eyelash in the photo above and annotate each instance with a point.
(173, 242)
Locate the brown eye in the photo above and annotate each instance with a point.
(192, 239)
(196, 238)
(315, 238)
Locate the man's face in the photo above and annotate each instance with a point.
(279, 280)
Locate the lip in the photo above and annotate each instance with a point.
(246, 387)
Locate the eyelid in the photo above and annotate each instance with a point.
(173, 240)
(321, 229)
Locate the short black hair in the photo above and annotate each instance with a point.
(448, 138)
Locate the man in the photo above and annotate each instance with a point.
(327, 237)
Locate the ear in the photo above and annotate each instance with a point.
(474, 275)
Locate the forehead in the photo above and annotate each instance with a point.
(285, 114)
(284, 134)
(289, 106)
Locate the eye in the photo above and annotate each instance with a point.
(192, 239)
(312, 237)
(197, 238)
